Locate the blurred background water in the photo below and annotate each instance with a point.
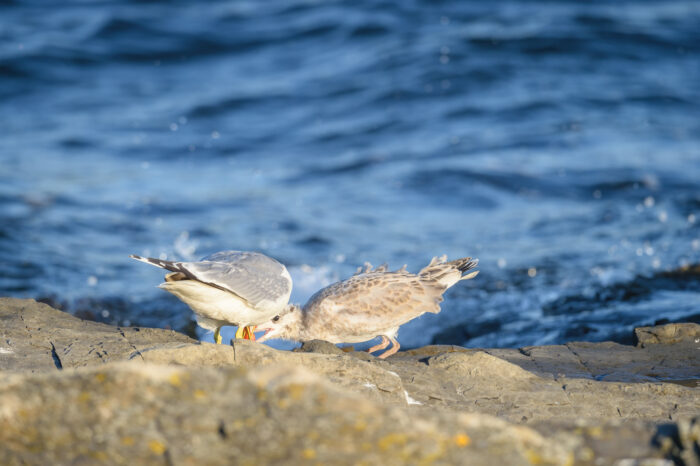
(558, 141)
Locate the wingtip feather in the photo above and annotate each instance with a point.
(151, 261)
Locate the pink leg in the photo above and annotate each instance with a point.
(385, 342)
(391, 350)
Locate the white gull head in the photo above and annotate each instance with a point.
(286, 325)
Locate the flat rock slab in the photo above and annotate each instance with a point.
(35, 337)
(581, 397)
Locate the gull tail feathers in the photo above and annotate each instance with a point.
(442, 271)
(465, 265)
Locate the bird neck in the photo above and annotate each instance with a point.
(295, 329)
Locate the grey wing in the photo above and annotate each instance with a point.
(253, 276)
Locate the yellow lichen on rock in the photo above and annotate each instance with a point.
(174, 379)
(462, 440)
(392, 440)
(157, 447)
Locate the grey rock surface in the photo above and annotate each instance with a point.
(178, 401)
(35, 337)
(668, 334)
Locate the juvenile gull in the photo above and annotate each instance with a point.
(228, 288)
(371, 303)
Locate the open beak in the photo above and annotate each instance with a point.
(264, 335)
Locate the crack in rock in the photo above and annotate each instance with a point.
(136, 350)
(583, 364)
(56, 359)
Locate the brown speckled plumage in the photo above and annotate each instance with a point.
(371, 303)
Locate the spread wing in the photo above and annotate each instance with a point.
(252, 276)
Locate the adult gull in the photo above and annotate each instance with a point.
(228, 288)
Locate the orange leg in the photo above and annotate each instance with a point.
(391, 350)
(249, 333)
(384, 343)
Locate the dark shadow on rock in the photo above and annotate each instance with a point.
(318, 346)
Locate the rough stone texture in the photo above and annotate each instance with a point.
(667, 334)
(36, 337)
(149, 414)
(156, 396)
(362, 377)
(477, 381)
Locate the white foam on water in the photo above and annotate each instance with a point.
(307, 280)
(185, 247)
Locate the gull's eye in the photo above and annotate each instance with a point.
(276, 318)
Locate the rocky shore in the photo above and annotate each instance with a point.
(80, 392)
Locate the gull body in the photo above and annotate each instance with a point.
(371, 303)
(228, 288)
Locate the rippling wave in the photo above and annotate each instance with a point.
(556, 141)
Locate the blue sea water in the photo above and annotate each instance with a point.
(557, 141)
